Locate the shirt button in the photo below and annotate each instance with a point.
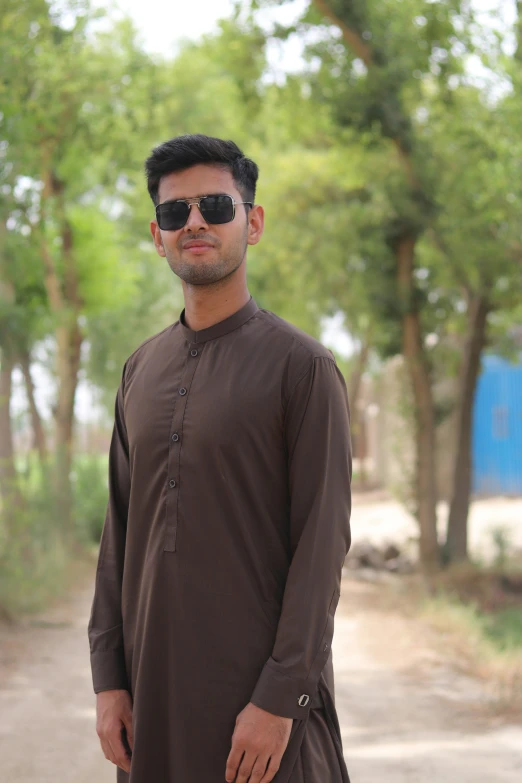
(182, 391)
(193, 352)
(175, 437)
(172, 483)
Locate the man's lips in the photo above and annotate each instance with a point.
(195, 245)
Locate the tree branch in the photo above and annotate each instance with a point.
(361, 49)
(354, 40)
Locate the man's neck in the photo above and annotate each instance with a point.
(204, 311)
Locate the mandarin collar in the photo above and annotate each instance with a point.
(222, 327)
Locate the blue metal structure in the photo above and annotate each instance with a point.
(497, 428)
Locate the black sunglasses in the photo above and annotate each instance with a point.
(172, 215)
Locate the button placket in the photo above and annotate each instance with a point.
(174, 457)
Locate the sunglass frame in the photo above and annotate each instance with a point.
(191, 201)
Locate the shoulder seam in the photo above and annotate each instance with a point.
(328, 358)
(149, 339)
(297, 340)
(312, 364)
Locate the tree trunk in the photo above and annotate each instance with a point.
(357, 373)
(7, 464)
(66, 304)
(397, 126)
(69, 341)
(424, 415)
(9, 489)
(39, 442)
(357, 414)
(456, 545)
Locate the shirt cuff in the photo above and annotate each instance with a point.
(108, 671)
(282, 695)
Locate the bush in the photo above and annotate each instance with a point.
(36, 554)
(90, 493)
(33, 555)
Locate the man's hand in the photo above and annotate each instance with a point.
(113, 714)
(261, 736)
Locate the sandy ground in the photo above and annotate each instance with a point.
(406, 714)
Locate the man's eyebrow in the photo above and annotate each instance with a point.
(199, 195)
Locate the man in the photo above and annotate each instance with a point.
(228, 519)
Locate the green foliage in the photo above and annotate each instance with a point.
(504, 629)
(106, 281)
(90, 496)
(33, 554)
(492, 639)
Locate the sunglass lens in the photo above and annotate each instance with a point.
(173, 216)
(217, 209)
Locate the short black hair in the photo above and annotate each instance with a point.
(188, 150)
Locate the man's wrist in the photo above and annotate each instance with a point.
(108, 670)
(281, 695)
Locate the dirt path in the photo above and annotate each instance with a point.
(405, 715)
(47, 708)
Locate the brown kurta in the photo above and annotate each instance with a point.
(220, 561)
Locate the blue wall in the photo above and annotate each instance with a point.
(497, 428)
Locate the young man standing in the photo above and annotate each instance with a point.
(228, 519)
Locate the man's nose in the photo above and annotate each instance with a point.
(195, 220)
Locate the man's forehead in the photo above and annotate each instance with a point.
(197, 181)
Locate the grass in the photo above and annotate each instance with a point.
(504, 629)
(480, 625)
(37, 561)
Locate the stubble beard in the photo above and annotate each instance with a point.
(201, 274)
(208, 272)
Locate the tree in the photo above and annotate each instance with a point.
(477, 149)
(74, 104)
(370, 73)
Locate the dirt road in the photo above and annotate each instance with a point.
(405, 714)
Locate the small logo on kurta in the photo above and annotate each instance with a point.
(303, 700)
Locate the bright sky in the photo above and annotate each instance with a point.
(163, 23)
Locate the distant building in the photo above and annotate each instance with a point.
(497, 428)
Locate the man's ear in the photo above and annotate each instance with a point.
(156, 236)
(256, 224)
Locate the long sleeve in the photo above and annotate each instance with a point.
(105, 624)
(317, 432)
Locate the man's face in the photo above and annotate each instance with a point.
(223, 246)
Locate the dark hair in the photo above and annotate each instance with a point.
(182, 152)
